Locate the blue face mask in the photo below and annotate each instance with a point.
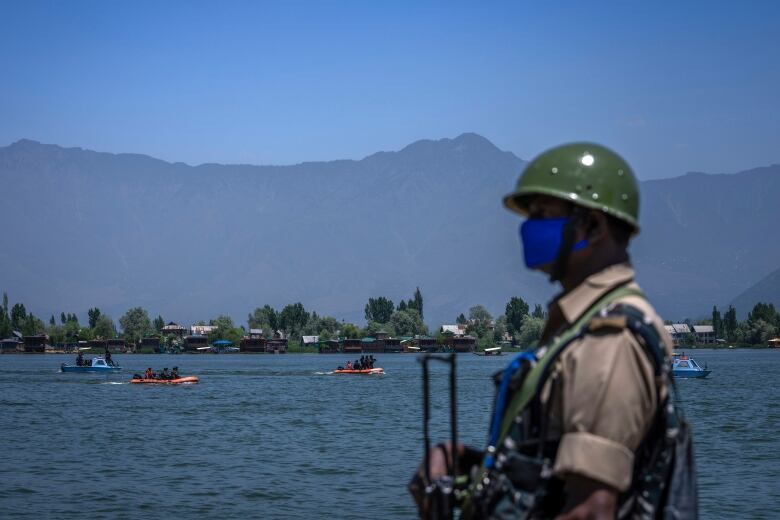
(542, 238)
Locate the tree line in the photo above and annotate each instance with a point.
(761, 325)
(519, 323)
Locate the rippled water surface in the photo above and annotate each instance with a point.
(278, 437)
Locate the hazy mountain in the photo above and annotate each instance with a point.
(766, 290)
(87, 229)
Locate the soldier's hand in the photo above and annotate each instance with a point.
(439, 457)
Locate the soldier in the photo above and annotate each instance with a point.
(579, 424)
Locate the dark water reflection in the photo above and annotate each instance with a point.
(277, 437)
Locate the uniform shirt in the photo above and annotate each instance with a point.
(604, 397)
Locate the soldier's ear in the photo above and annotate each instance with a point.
(597, 226)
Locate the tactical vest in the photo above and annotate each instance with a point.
(515, 479)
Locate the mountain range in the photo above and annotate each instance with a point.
(85, 229)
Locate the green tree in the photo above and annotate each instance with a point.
(538, 312)
(480, 321)
(293, 318)
(717, 322)
(531, 331)
(104, 327)
(461, 319)
(63, 319)
(765, 312)
(265, 318)
(416, 303)
(225, 329)
(5, 320)
(18, 316)
(379, 309)
(374, 326)
(516, 310)
(402, 306)
(730, 323)
(408, 323)
(500, 329)
(31, 326)
(136, 324)
(159, 323)
(349, 330)
(93, 315)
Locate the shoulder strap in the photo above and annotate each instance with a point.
(535, 378)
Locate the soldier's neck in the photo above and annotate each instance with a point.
(600, 259)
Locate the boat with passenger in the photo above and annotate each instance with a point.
(96, 364)
(186, 380)
(686, 367)
(374, 371)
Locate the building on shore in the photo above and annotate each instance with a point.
(254, 342)
(705, 334)
(425, 343)
(173, 329)
(152, 342)
(276, 346)
(194, 342)
(460, 343)
(678, 332)
(331, 346)
(372, 345)
(393, 345)
(116, 345)
(11, 346)
(202, 330)
(36, 344)
(351, 346)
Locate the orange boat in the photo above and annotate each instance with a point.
(189, 380)
(367, 371)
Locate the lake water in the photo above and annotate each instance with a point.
(277, 437)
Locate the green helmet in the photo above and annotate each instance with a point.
(586, 174)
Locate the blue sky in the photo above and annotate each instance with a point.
(673, 86)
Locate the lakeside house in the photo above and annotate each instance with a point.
(456, 339)
(10, 345)
(152, 342)
(195, 341)
(705, 334)
(277, 345)
(35, 344)
(202, 330)
(253, 342)
(174, 329)
(678, 332)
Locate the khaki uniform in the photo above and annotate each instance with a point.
(605, 397)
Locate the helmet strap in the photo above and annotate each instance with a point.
(567, 243)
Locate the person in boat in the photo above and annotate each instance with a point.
(371, 361)
(165, 375)
(175, 373)
(149, 374)
(349, 365)
(571, 439)
(79, 359)
(107, 356)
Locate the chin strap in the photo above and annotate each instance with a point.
(567, 244)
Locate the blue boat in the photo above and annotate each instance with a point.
(97, 364)
(687, 367)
